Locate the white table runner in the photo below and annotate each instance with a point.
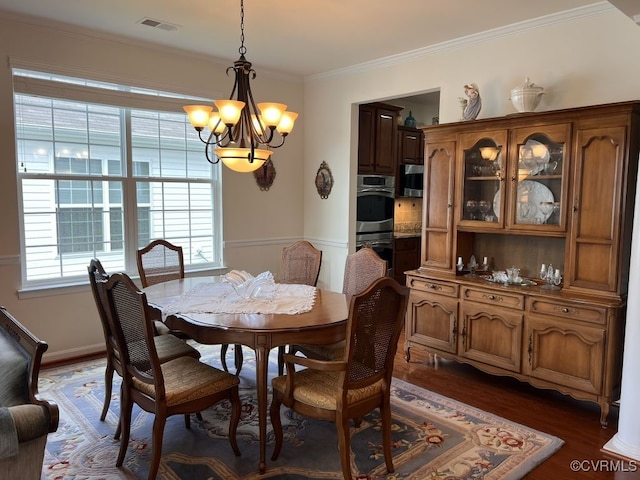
(218, 297)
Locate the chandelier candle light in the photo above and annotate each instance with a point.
(240, 136)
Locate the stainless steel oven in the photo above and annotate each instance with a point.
(375, 203)
(381, 243)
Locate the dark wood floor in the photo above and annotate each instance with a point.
(575, 422)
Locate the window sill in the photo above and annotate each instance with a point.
(83, 286)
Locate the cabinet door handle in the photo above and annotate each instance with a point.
(433, 286)
(530, 349)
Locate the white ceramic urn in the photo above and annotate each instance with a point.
(526, 97)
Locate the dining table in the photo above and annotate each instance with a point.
(324, 323)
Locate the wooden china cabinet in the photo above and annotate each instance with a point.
(525, 190)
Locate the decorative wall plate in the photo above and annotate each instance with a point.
(324, 180)
(265, 175)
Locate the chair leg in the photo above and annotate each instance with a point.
(156, 446)
(126, 406)
(344, 445)
(187, 421)
(274, 413)
(236, 407)
(223, 356)
(385, 417)
(239, 358)
(108, 381)
(116, 436)
(281, 352)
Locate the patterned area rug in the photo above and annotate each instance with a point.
(434, 437)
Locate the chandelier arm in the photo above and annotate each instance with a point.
(282, 140)
(206, 154)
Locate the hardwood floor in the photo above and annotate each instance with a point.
(575, 422)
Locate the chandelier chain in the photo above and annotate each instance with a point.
(242, 48)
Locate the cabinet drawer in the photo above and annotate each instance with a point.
(435, 286)
(568, 309)
(491, 297)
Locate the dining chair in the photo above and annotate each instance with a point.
(161, 261)
(180, 386)
(338, 390)
(299, 264)
(361, 269)
(168, 347)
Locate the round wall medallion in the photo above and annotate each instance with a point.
(264, 175)
(324, 180)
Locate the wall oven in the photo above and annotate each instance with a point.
(411, 180)
(375, 203)
(381, 243)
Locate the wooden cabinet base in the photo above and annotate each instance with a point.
(552, 340)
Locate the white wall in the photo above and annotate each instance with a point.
(256, 224)
(581, 61)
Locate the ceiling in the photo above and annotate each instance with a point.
(297, 37)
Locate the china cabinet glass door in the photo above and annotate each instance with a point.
(538, 173)
(483, 179)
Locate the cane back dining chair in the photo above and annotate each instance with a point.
(361, 269)
(161, 261)
(168, 347)
(299, 264)
(338, 390)
(180, 386)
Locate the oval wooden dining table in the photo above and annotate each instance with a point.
(325, 323)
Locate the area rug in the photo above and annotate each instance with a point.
(434, 437)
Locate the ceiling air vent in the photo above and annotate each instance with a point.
(159, 24)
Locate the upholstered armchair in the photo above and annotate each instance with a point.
(25, 419)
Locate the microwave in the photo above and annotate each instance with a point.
(411, 181)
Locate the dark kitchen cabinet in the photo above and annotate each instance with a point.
(406, 256)
(410, 145)
(377, 140)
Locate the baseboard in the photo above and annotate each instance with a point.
(73, 355)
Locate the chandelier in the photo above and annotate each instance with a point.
(240, 136)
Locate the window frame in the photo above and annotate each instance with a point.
(62, 87)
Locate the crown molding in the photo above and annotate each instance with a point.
(463, 42)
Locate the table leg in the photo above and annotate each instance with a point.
(262, 367)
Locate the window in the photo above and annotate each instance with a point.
(103, 170)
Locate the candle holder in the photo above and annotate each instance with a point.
(472, 266)
(551, 276)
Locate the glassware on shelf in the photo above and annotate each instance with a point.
(471, 206)
(472, 266)
(546, 208)
(484, 207)
(459, 265)
(551, 276)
